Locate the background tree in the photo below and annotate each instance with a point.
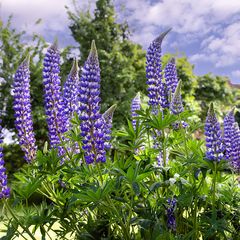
(122, 62)
(214, 88)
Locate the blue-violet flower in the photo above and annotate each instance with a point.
(107, 126)
(170, 75)
(54, 104)
(4, 189)
(136, 105)
(71, 91)
(171, 220)
(176, 105)
(91, 119)
(154, 72)
(228, 131)
(22, 109)
(213, 133)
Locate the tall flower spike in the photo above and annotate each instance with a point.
(176, 105)
(213, 133)
(171, 220)
(54, 105)
(236, 147)
(71, 91)
(91, 119)
(4, 189)
(136, 105)
(228, 126)
(170, 75)
(22, 109)
(154, 71)
(107, 126)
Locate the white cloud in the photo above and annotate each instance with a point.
(209, 23)
(236, 73)
(52, 12)
(225, 47)
(213, 26)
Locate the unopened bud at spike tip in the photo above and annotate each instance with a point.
(110, 111)
(75, 68)
(160, 38)
(26, 60)
(93, 52)
(54, 46)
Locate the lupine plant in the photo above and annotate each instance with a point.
(118, 185)
(54, 103)
(4, 189)
(22, 108)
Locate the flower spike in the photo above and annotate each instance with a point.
(107, 120)
(176, 105)
(22, 109)
(154, 72)
(4, 189)
(91, 119)
(54, 104)
(213, 133)
(71, 91)
(136, 105)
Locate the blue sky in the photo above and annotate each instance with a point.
(208, 31)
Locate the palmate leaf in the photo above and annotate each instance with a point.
(26, 186)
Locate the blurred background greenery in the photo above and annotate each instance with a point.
(122, 65)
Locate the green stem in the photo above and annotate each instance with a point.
(195, 225)
(16, 219)
(126, 233)
(164, 149)
(100, 173)
(214, 189)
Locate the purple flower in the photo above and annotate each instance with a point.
(22, 109)
(136, 105)
(176, 105)
(177, 125)
(228, 126)
(170, 75)
(71, 91)
(236, 147)
(107, 120)
(154, 73)
(171, 220)
(4, 189)
(54, 104)
(91, 119)
(164, 94)
(213, 133)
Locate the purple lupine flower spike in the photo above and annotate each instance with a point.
(236, 147)
(171, 220)
(176, 105)
(4, 189)
(228, 131)
(154, 71)
(107, 126)
(213, 133)
(71, 91)
(91, 119)
(170, 75)
(164, 95)
(54, 104)
(22, 109)
(136, 105)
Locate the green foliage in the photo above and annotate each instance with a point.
(122, 62)
(126, 197)
(215, 88)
